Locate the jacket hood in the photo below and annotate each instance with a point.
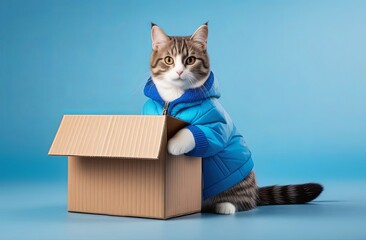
(208, 90)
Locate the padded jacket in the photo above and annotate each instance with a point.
(226, 159)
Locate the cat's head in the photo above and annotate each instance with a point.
(180, 62)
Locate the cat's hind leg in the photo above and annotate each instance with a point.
(225, 208)
(241, 197)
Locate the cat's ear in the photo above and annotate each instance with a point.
(200, 36)
(158, 37)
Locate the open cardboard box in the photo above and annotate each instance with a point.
(119, 165)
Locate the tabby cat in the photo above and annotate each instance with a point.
(182, 85)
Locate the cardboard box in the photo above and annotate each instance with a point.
(119, 165)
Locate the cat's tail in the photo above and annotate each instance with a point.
(288, 194)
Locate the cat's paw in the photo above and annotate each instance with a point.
(225, 208)
(182, 142)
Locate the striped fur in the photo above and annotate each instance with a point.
(289, 194)
(185, 47)
(246, 195)
(179, 48)
(243, 196)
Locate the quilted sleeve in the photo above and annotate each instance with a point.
(212, 131)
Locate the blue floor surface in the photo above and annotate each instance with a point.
(35, 210)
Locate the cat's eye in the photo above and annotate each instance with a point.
(168, 60)
(190, 60)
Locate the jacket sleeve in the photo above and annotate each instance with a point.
(212, 131)
(150, 108)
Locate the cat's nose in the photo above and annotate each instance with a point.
(179, 72)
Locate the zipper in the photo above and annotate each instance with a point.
(165, 109)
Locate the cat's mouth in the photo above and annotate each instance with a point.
(179, 82)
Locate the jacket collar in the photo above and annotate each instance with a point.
(207, 90)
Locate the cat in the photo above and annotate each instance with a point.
(182, 85)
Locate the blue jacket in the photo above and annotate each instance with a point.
(226, 159)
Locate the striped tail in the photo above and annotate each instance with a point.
(289, 194)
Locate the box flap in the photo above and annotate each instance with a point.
(131, 136)
(174, 125)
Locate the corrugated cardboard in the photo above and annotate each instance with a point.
(119, 165)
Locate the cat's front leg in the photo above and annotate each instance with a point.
(182, 142)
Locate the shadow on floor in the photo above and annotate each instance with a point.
(319, 209)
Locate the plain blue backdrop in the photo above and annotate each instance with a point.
(292, 76)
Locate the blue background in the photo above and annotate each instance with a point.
(292, 76)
